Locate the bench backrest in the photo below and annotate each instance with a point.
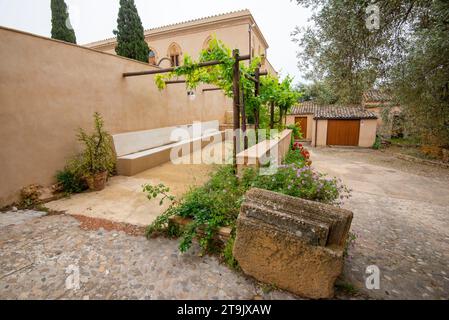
(132, 142)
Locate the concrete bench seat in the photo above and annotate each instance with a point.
(143, 150)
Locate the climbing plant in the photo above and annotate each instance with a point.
(220, 75)
(278, 94)
(281, 94)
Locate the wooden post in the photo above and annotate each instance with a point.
(272, 115)
(236, 109)
(257, 110)
(257, 91)
(244, 129)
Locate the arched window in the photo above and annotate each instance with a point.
(174, 53)
(206, 43)
(152, 57)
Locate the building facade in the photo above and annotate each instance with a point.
(389, 116)
(169, 44)
(334, 125)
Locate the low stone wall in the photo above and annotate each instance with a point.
(223, 234)
(292, 243)
(259, 154)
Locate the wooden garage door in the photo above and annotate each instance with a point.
(343, 132)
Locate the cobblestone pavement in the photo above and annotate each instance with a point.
(401, 217)
(40, 255)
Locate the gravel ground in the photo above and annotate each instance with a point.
(401, 217)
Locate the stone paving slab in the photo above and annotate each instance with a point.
(38, 255)
(124, 201)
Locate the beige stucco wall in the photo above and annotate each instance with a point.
(235, 34)
(319, 134)
(192, 42)
(48, 89)
(291, 120)
(368, 129)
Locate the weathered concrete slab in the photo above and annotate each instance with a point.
(292, 243)
(311, 232)
(321, 216)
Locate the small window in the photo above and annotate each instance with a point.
(175, 60)
(174, 53)
(207, 43)
(152, 57)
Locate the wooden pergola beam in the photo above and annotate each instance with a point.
(167, 70)
(256, 78)
(236, 91)
(175, 81)
(211, 89)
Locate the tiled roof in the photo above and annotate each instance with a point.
(333, 111)
(246, 11)
(375, 96)
(178, 24)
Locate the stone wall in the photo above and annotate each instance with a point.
(259, 154)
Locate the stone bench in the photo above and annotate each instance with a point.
(292, 243)
(142, 150)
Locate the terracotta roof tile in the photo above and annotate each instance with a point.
(146, 31)
(376, 96)
(333, 111)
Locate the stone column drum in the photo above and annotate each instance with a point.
(294, 244)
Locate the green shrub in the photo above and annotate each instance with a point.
(70, 181)
(294, 156)
(212, 206)
(228, 256)
(98, 155)
(296, 134)
(378, 143)
(71, 177)
(350, 243)
(303, 182)
(217, 203)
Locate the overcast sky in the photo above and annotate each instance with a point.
(95, 19)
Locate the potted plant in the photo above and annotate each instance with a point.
(97, 159)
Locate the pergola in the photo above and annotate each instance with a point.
(236, 91)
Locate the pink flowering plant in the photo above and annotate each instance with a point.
(299, 180)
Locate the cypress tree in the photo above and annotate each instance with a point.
(130, 34)
(61, 28)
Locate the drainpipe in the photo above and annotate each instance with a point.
(250, 47)
(316, 132)
(250, 30)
